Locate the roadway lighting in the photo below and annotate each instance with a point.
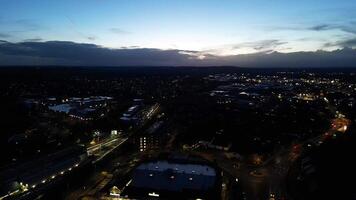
(114, 194)
(62, 172)
(344, 128)
(43, 181)
(52, 177)
(70, 169)
(153, 194)
(128, 183)
(272, 197)
(76, 165)
(33, 186)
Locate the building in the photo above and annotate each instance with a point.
(173, 179)
(153, 138)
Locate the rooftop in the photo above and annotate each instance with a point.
(175, 177)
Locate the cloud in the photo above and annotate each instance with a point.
(348, 28)
(119, 31)
(321, 27)
(261, 45)
(346, 43)
(91, 37)
(84, 54)
(338, 58)
(4, 35)
(33, 40)
(90, 54)
(255, 46)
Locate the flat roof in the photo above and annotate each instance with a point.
(175, 177)
(195, 169)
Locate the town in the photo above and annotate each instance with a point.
(175, 133)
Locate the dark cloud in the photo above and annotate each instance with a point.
(263, 45)
(33, 40)
(91, 37)
(119, 31)
(339, 58)
(4, 35)
(90, 54)
(321, 27)
(348, 28)
(348, 43)
(70, 53)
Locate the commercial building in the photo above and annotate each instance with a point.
(173, 179)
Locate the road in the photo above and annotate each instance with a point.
(103, 174)
(279, 164)
(105, 147)
(267, 180)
